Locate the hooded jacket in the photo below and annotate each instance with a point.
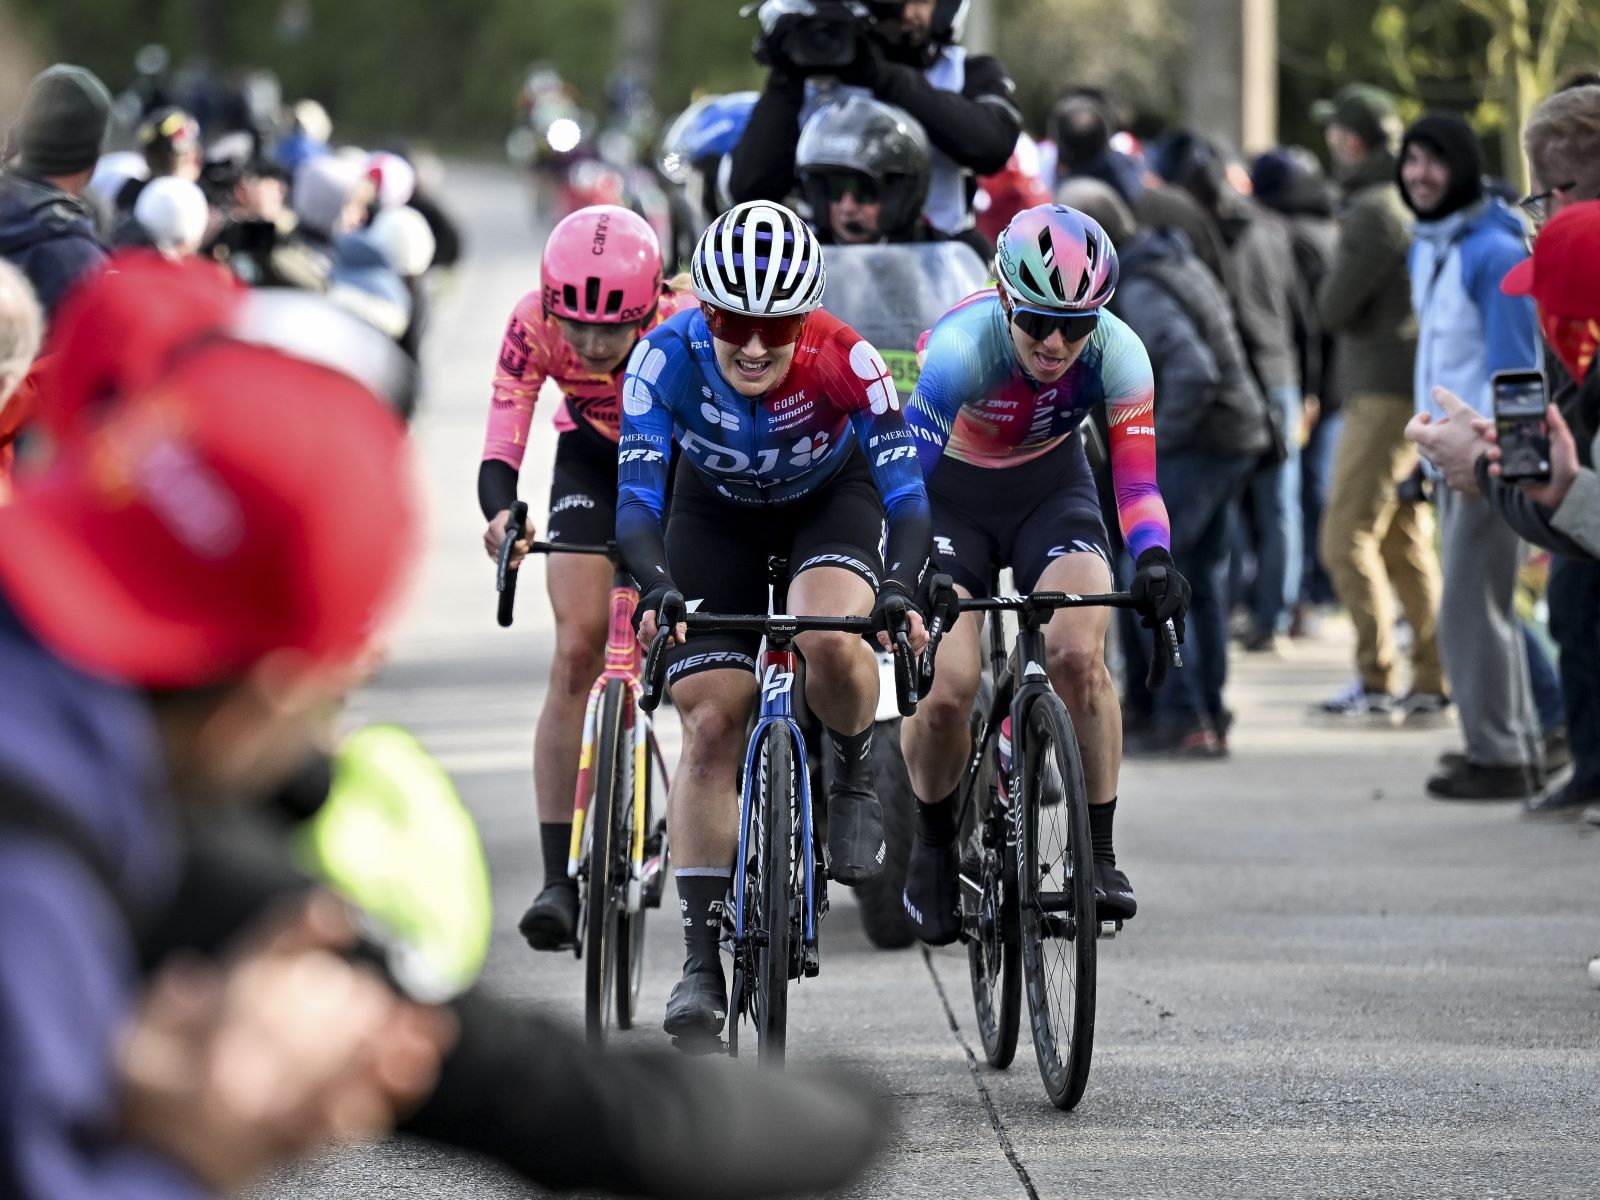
(47, 235)
(1467, 328)
(1364, 300)
(1207, 400)
(86, 753)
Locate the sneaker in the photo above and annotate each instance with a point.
(698, 1006)
(1563, 802)
(551, 922)
(1358, 701)
(932, 895)
(1113, 894)
(1261, 641)
(1201, 744)
(1425, 710)
(1557, 751)
(856, 849)
(1473, 782)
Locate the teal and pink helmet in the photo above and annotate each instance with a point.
(1056, 258)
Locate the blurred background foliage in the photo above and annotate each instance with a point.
(450, 73)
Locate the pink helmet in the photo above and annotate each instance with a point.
(602, 265)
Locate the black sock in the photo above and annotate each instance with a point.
(936, 823)
(700, 900)
(555, 838)
(854, 751)
(1100, 818)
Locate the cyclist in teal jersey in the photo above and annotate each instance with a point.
(1008, 377)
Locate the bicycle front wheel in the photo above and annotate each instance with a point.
(774, 895)
(1056, 901)
(607, 873)
(630, 925)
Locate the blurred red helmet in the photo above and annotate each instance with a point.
(602, 265)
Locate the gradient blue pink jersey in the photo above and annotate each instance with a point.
(975, 403)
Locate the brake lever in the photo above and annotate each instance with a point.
(650, 675)
(905, 666)
(1165, 657)
(505, 575)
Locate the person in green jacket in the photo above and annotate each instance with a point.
(1372, 541)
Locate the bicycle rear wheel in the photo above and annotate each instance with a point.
(1056, 901)
(606, 892)
(773, 894)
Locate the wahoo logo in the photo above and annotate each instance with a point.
(776, 682)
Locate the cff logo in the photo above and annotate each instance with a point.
(775, 682)
(628, 456)
(723, 420)
(868, 364)
(809, 450)
(895, 452)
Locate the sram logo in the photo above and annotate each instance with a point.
(894, 452)
(776, 682)
(1147, 430)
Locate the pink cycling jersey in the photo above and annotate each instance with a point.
(532, 351)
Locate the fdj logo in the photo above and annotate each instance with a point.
(776, 682)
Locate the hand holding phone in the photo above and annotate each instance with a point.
(1521, 430)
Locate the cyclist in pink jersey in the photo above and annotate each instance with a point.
(601, 289)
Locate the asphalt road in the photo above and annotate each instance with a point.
(1335, 986)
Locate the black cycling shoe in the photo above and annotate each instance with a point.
(698, 1006)
(932, 896)
(1113, 894)
(551, 922)
(856, 850)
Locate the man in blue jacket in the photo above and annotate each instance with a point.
(46, 228)
(1465, 242)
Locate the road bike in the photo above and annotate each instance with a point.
(1028, 910)
(779, 885)
(619, 848)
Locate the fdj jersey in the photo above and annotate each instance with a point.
(974, 402)
(772, 450)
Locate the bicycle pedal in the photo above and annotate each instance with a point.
(1110, 929)
(699, 1045)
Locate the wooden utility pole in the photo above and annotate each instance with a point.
(1231, 81)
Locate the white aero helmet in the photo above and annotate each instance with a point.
(759, 258)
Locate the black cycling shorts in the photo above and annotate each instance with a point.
(1022, 517)
(717, 551)
(583, 489)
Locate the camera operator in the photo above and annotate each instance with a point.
(903, 52)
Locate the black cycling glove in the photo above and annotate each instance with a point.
(1159, 592)
(892, 606)
(665, 601)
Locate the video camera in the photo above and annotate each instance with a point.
(816, 37)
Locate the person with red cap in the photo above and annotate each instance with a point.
(184, 589)
(601, 290)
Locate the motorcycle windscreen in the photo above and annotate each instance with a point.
(891, 294)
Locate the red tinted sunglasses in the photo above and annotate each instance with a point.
(1040, 325)
(737, 327)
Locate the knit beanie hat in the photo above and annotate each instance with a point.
(1450, 137)
(323, 186)
(63, 121)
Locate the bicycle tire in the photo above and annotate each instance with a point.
(994, 962)
(629, 970)
(1057, 916)
(776, 811)
(611, 771)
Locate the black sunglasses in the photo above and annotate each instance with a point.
(863, 189)
(1040, 325)
(1537, 206)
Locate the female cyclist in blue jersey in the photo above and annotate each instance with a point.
(791, 442)
(1008, 377)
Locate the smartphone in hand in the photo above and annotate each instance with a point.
(1520, 401)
